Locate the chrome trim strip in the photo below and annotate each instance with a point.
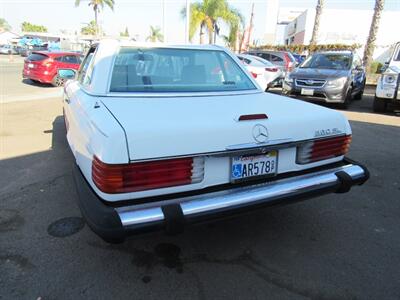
(323, 81)
(151, 213)
(244, 149)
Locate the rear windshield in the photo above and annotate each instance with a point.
(37, 57)
(176, 70)
(263, 61)
(328, 61)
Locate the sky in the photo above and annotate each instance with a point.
(138, 15)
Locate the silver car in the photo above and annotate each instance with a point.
(332, 77)
(8, 49)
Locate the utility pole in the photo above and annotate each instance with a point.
(187, 22)
(163, 20)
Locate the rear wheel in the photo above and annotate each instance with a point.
(360, 94)
(58, 81)
(379, 105)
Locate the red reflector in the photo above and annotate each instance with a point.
(323, 149)
(253, 117)
(253, 74)
(123, 178)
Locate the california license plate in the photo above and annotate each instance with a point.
(307, 92)
(254, 165)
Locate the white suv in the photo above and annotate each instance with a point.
(388, 87)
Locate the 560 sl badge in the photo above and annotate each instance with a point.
(326, 132)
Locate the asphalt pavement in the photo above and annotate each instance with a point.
(339, 246)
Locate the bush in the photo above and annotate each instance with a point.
(375, 67)
(309, 48)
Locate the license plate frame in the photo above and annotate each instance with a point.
(307, 92)
(270, 156)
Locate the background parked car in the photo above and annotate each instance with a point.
(388, 87)
(299, 58)
(8, 49)
(265, 73)
(333, 77)
(283, 59)
(42, 66)
(27, 50)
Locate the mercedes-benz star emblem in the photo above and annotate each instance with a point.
(260, 133)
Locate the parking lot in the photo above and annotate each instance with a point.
(340, 246)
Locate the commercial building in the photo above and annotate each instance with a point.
(344, 27)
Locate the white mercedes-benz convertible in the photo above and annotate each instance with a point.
(165, 136)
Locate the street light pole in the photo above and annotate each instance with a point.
(187, 22)
(163, 19)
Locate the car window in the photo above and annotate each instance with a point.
(37, 57)
(265, 56)
(396, 57)
(245, 60)
(264, 61)
(275, 58)
(86, 68)
(59, 58)
(356, 61)
(70, 59)
(176, 70)
(328, 61)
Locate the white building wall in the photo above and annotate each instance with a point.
(271, 20)
(345, 27)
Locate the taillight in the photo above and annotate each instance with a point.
(271, 69)
(47, 62)
(323, 149)
(288, 62)
(133, 177)
(254, 74)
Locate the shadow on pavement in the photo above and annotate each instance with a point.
(330, 247)
(37, 83)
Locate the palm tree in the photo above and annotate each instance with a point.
(4, 26)
(155, 35)
(373, 31)
(319, 8)
(205, 15)
(97, 4)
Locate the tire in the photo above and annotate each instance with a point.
(347, 100)
(57, 81)
(360, 94)
(379, 105)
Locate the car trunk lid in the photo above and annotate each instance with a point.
(158, 127)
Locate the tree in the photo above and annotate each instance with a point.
(205, 15)
(373, 31)
(124, 34)
(155, 35)
(89, 29)
(4, 26)
(318, 13)
(28, 27)
(97, 4)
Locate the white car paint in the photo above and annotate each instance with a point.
(264, 71)
(120, 128)
(388, 85)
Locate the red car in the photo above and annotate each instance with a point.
(42, 66)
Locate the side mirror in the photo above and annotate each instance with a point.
(66, 73)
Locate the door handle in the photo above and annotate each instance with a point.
(67, 100)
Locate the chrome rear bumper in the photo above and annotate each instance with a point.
(172, 214)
